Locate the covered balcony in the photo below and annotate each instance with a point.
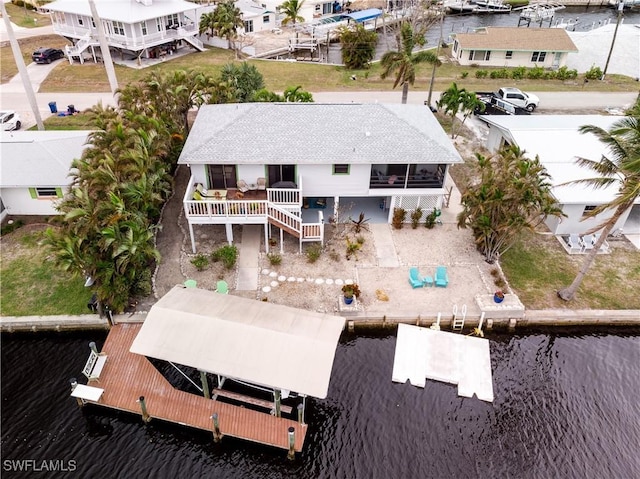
(412, 175)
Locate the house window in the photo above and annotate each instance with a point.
(248, 26)
(118, 28)
(509, 55)
(455, 46)
(538, 56)
(588, 209)
(479, 55)
(81, 21)
(172, 21)
(143, 27)
(93, 22)
(342, 169)
(45, 193)
(265, 19)
(159, 24)
(327, 8)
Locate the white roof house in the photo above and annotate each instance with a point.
(35, 168)
(555, 139)
(265, 344)
(146, 28)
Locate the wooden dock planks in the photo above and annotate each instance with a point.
(127, 376)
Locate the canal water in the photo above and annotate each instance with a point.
(566, 405)
(587, 17)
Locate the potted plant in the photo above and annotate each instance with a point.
(350, 291)
(498, 296)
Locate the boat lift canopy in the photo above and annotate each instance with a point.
(364, 15)
(263, 343)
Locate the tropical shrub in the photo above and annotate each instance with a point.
(274, 259)
(228, 254)
(594, 73)
(482, 73)
(399, 215)
(200, 262)
(415, 217)
(358, 46)
(313, 253)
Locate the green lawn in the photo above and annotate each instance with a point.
(23, 17)
(30, 282)
(537, 266)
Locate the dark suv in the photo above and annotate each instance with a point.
(46, 55)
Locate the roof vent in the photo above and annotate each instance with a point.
(367, 134)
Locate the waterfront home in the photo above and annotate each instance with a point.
(35, 169)
(256, 17)
(133, 28)
(513, 47)
(555, 139)
(296, 166)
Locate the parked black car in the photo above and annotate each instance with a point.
(46, 55)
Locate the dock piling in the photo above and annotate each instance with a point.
(276, 395)
(93, 347)
(205, 384)
(143, 407)
(292, 442)
(300, 413)
(216, 428)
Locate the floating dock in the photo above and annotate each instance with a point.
(423, 353)
(125, 377)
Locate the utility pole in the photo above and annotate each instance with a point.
(22, 68)
(613, 40)
(104, 47)
(433, 72)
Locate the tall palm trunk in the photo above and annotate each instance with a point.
(405, 92)
(569, 292)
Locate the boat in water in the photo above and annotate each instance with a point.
(458, 7)
(626, 3)
(492, 6)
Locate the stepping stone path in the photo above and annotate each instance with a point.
(292, 279)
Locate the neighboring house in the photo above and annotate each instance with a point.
(555, 139)
(311, 9)
(145, 28)
(513, 47)
(285, 164)
(35, 169)
(256, 17)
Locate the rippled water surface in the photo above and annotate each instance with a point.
(565, 406)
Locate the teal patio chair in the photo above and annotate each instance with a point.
(441, 278)
(415, 280)
(222, 287)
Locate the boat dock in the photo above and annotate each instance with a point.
(124, 378)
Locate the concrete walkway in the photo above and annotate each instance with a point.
(248, 268)
(385, 249)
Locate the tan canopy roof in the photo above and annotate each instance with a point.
(255, 341)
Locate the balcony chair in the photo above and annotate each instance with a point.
(574, 242)
(262, 183)
(242, 186)
(441, 279)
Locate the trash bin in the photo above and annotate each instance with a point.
(93, 303)
(53, 107)
(71, 109)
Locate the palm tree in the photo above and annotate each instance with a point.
(455, 100)
(207, 22)
(291, 10)
(402, 62)
(227, 19)
(621, 169)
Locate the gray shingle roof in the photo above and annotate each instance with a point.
(39, 158)
(315, 133)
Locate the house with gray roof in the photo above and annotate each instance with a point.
(513, 47)
(34, 171)
(295, 166)
(134, 28)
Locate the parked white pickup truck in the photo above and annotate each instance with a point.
(519, 98)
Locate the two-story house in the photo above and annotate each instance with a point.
(135, 28)
(285, 165)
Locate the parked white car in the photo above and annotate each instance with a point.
(10, 120)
